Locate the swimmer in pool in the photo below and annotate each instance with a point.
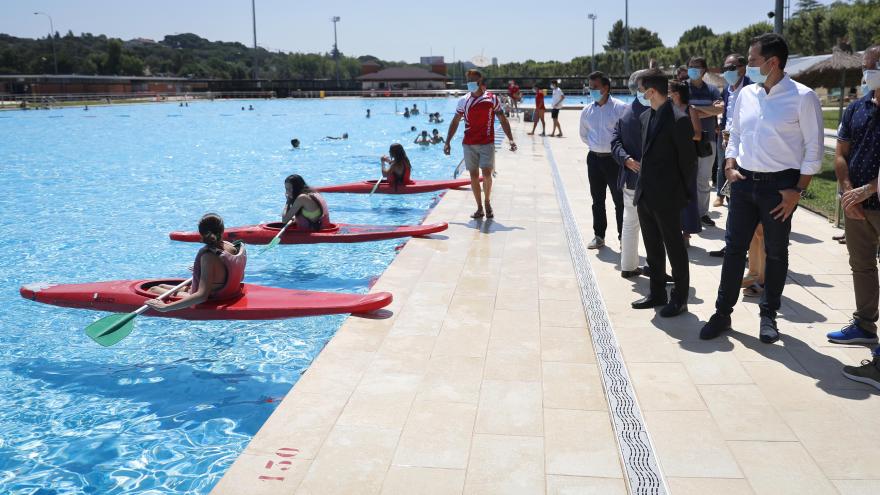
(368, 113)
(423, 139)
(295, 143)
(436, 138)
(304, 206)
(406, 112)
(343, 136)
(217, 272)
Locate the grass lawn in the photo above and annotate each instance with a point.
(830, 118)
(821, 196)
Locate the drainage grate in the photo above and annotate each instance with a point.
(642, 471)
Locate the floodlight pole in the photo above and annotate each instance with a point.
(254, 18)
(626, 39)
(51, 38)
(777, 18)
(592, 17)
(334, 20)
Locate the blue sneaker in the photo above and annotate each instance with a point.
(868, 372)
(852, 334)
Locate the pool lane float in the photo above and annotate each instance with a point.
(413, 187)
(256, 302)
(335, 233)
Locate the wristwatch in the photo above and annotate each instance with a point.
(800, 190)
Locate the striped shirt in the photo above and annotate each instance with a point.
(479, 117)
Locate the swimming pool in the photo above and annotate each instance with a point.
(91, 195)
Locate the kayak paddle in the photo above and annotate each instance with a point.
(277, 239)
(376, 185)
(111, 329)
(459, 169)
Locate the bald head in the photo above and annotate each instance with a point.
(871, 59)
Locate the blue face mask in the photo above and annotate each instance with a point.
(693, 73)
(596, 94)
(731, 76)
(641, 97)
(872, 78)
(472, 86)
(865, 89)
(754, 73)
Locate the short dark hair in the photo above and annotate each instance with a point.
(474, 72)
(698, 61)
(682, 89)
(772, 45)
(740, 60)
(654, 79)
(599, 75)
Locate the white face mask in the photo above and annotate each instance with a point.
(872, 78)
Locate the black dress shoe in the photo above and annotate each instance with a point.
(649, 302)
(717, 254)
(674, 308)
(717, 324)
(708, 222)
(631, 273)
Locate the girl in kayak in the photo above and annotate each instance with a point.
(399, 168)
(306, 207)
(217, 271)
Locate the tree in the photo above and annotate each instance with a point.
(695, 33)
(114, 57)
(804, 6)
(639, 38)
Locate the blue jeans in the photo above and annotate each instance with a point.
(750, 202)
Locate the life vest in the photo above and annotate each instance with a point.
(304, 223)
(235, 265)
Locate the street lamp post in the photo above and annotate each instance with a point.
(626, 39)
(254, 19)
(334, 20)
(778, 21)
(592, 17)
(52, 38)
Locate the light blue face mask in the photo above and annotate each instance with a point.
(754, 73)
(872, 78)
(472, 86)
(865, 89)
(596, 94)
(641, 97)
(693, 73)
(731, 76)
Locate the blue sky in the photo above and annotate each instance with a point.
(388, 29)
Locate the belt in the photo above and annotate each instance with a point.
(600, 154)
(767, 176)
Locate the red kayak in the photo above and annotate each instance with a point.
(414, 187)
(335, 233)
(257, 303)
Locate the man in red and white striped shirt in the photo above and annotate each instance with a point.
(479, 109)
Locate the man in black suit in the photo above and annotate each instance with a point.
(669, 161)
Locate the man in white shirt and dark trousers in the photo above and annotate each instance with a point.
(598, 120)
(775, 148)
(555, 107)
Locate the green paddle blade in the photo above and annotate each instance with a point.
(111, 329)
(274, 242)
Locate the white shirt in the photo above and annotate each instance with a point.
(777, 131)
(597, 123)
(556, 102)
(732, 94)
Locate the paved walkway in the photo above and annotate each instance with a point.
(484, 379)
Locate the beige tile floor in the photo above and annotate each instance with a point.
(484, 379)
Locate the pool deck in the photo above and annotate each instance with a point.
(485, 379)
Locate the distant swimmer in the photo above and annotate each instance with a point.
(343, 136)
(242, 109)
(217, 272)
(436, 138)
(295, 143)
(406, 112)
(304, 206)
(181, 104)
(423, 139)
(250, 107)
(86, 108)
(368, 113)
(399, 168)
(415, 110)
(437, 118)
(412, 129)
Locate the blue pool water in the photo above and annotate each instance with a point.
(575, 98)
(91, 196)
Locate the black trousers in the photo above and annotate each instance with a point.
(602, 173)
(661, 231)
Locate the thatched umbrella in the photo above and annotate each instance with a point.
(843, 69)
